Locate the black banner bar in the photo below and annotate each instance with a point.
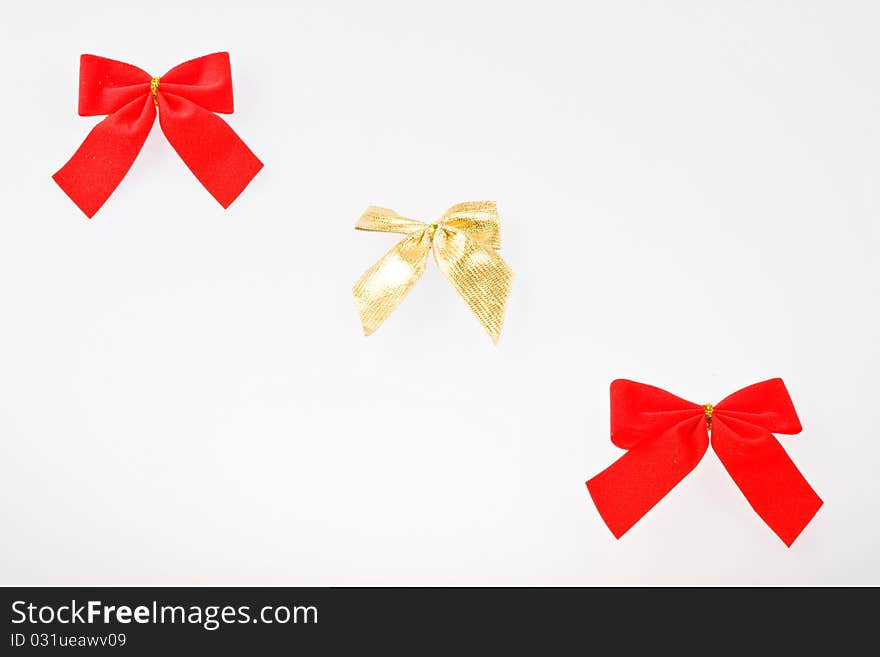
(170, 621)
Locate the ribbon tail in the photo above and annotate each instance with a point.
(480, 276)
(632, 485)
(208, 146)
(766, 475)
(106, 155)
(384, 285)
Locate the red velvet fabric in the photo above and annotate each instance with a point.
(187, 97)
(666, 437)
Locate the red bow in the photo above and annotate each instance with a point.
(185, 97)
(667, 436)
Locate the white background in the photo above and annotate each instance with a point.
(688, 195)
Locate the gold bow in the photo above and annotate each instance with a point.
(463, 241)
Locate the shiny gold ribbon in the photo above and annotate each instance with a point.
(463, 241)
(154, 91)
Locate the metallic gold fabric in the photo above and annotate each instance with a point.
(463, 242)
(154, 91)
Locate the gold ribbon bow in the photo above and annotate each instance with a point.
(463, 241)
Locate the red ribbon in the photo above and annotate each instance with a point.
(666, 437)
(185, 97)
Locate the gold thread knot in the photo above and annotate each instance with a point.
(154, 90)
(708, 409)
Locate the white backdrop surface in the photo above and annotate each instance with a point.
(688, 195)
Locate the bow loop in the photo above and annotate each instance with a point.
(766, 404)
(477, 219)
(205, 81)
(106, 85)
(640, 411)
(383, 220)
